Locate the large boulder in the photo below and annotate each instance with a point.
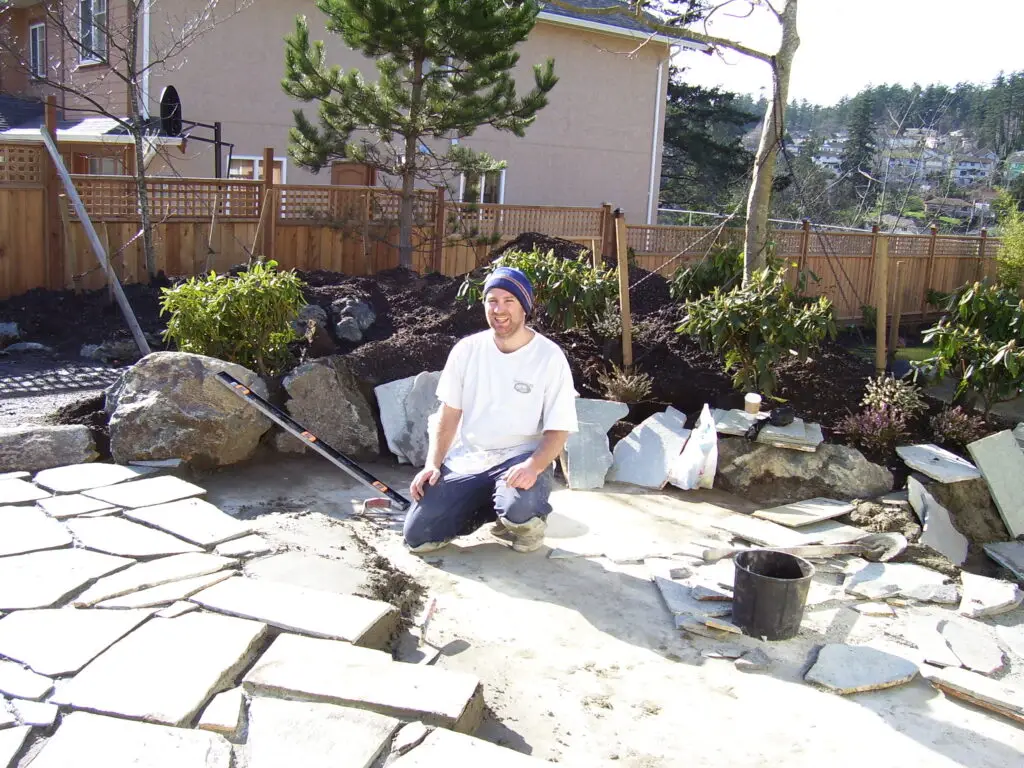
(30, 447)
(324, 396)
(171, 406)
(406, 406)
(780, 475)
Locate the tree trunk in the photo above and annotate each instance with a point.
(759, 200)
(137, 132)
(407, 209)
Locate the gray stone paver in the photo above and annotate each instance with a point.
(17, 491)
(123, 537)
(645, 456)
(194, 520)
(1002, 464)
(23, 683)
(987, 597)
(72, 505)
(223, 714)
(247, 546)
(84, 477)
(146, 493)
(973, 645)
(847, 669)
(60, 641)
(937, 463)
(802, 513)
(1000, 696)
(11, 742)
(39, 713)
(314, 735)
(43, 579)
(444, 748)
(166, 594)
(88, 740)
(153, 573)
(165, 671)
(28, 529)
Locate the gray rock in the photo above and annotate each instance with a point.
(347, 329)
(587, 457)
(846, 669)
(974, 645)
(9, 333)
(27, 346)
(117, 351)
(170, 405)
(406, 406)
(326, 399)
(753, 661)
(778, 475)
(351, 307)
(939, 533)
(988, 597)
(33, 447)
(310, 312)
(83, 737)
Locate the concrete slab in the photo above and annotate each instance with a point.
(802, 513)
(179, 608)
(43, 579)
(644, 457)
(84, 477)
(146, 493)
(72, 505)
(151, 574)
(938, 531)
(1000, 696)
(11, 742)
(42, 714)
(338, 673)
(17, 491)
(223, 715)
(877, 581)
(973, 645)
(680, 601)
(23, 683)
(308, 571)
(247, 546)
(315, 735)
(1002, 464)
(310, 612)
(846, 669)
(1010, 555)
(29, 529)
(166, 594)
(443, 747)
(165, 671)
(987, 597)
(84, 739)
(125, 538)
(60, 641)
(194, 520)
(937, 463)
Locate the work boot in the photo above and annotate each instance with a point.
(498, 530)
(430, 546)
(528, 536)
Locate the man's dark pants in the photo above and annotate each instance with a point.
(459, 504)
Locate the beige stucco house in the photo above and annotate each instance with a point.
(598, 140)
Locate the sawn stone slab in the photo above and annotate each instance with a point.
(937, 463)
(151, 574)
(847, 669)
(801, 513)
(43, 579)
(194, 520)
(28, 529)
(166, 594)
(84, 477)
(1002, 464)
(123, 537)
(146, 493)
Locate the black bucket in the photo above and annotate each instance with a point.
(770, 593)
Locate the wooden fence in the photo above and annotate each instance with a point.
(204, 224)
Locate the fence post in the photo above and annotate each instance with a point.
(439, 224)
(981, 254)
(607, 232)
(930, 271)
(805, 244)
(897, 310)
(881, 297)
(269, 199)
(54, 241)
(622, 257)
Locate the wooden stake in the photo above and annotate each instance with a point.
(881, 299)
(897, 310)
(622, 254)
(269, 199)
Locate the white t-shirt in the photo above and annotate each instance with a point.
(508, 400)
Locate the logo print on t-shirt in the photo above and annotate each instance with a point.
(523, 388)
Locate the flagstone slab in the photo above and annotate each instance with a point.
(167, 670)
(923, 632)
(973, 645)
(23, 683)
(152, 574)
(680, 601)
(645, 456)
(18, 491)
(1002, 464)
(146, 493)
(85, 477)
(315, 735)
(987, 597)
(179, 608)
(1010, 555)
(317, 613)
(1001, 696)
(761, 532)
(938, 531)
(43, 579)
(194, 520)
(60, 641)
(11, 742)
(937, 463)
(877, 581)
(88, 740)
(806, 512)
(444, 748)
(15, 475)
(166, 594)
(28, 529)
(333, 672)
(223, 715)
(38, 713)
(6, 718)
(247, 546)
(123, 537)
(846, 669)
(72, 505)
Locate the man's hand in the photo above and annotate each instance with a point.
(521, 475)
(427, 475)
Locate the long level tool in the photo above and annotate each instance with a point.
(293, 427)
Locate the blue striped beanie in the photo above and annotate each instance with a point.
(515, 282)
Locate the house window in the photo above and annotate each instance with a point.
(106, 166)
(486, 188)
(37, 49)
(92, 30)
(252, 168)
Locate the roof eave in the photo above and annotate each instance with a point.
(32, 136)
(611, 29)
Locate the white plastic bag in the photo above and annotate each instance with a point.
(696, 465)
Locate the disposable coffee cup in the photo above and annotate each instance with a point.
(752, 403)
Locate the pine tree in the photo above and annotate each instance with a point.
(444, 68)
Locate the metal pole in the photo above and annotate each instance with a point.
(218, 160)
(94, 241)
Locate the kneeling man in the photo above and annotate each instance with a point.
(508, 405)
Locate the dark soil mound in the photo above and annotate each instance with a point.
(535, 241)
(90, 412)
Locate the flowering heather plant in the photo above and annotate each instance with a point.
(876, 429)
(895, 394)
(957, 427)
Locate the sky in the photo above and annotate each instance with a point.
(846, 45)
